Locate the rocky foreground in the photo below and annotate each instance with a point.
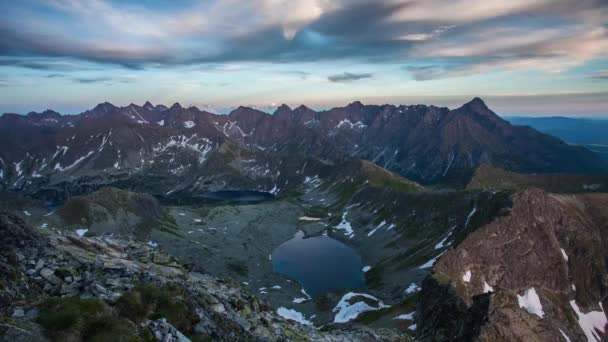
(66, 287)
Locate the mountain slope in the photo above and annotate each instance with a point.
(535, 274)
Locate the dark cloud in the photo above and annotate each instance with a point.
(348, 77)
(108, 80)
(55, 75)
(599, 75)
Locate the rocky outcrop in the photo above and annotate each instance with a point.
(538, 273)
(70, 287)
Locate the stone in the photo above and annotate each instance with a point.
(243, 322)
(100, 289)
(18, 312)
(31, 314)
(219, 308)
(49, 275)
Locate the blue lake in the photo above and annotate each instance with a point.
(320, 264)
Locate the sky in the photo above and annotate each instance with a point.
(523, 57)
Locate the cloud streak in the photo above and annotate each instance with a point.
(348, 77)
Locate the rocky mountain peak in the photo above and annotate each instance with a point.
(479, 112)
(148, 105)
(283, 108)
(301, 108)
(356, 104)
(176, 105)
(104, 107)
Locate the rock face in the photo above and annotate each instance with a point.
(16, 239)
(163, 150)
(538, 273)
(70, 287)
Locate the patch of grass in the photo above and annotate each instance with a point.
(441, 279)
(75, 211)
(58, 314)
(237, 266)
(320, 212)
(111, 329)
(168, 224)
(323, 303)
(74, 318)
(152, 302)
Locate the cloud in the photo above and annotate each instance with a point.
(348, 77)
(108, 80)
(442, 38)
(599, 75)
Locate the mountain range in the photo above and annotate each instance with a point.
(186, 148)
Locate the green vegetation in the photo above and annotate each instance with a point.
(323, 303)
(57, 314)
(167, 224)
(111, 329)
(237, 266)
(441, 279)
(153, 302)
(74, 318)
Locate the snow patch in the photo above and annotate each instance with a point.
(347, 311)
(61, 169)
(487, 288)
(189, 124)
(345, 225)
(467, 276)
(366, 269)
(161, 122)
(18, 168)
(591, 322)
(378, 227)
(351, 125)
(81, 232)
(413, 288)
(431, 262)
(408, 316)
(443, 243)
(564, 254)
(152, 244)
(293, 315)
(27, 213)
(531, 302)
(466, 223)
(299, 300)
(307, 218)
